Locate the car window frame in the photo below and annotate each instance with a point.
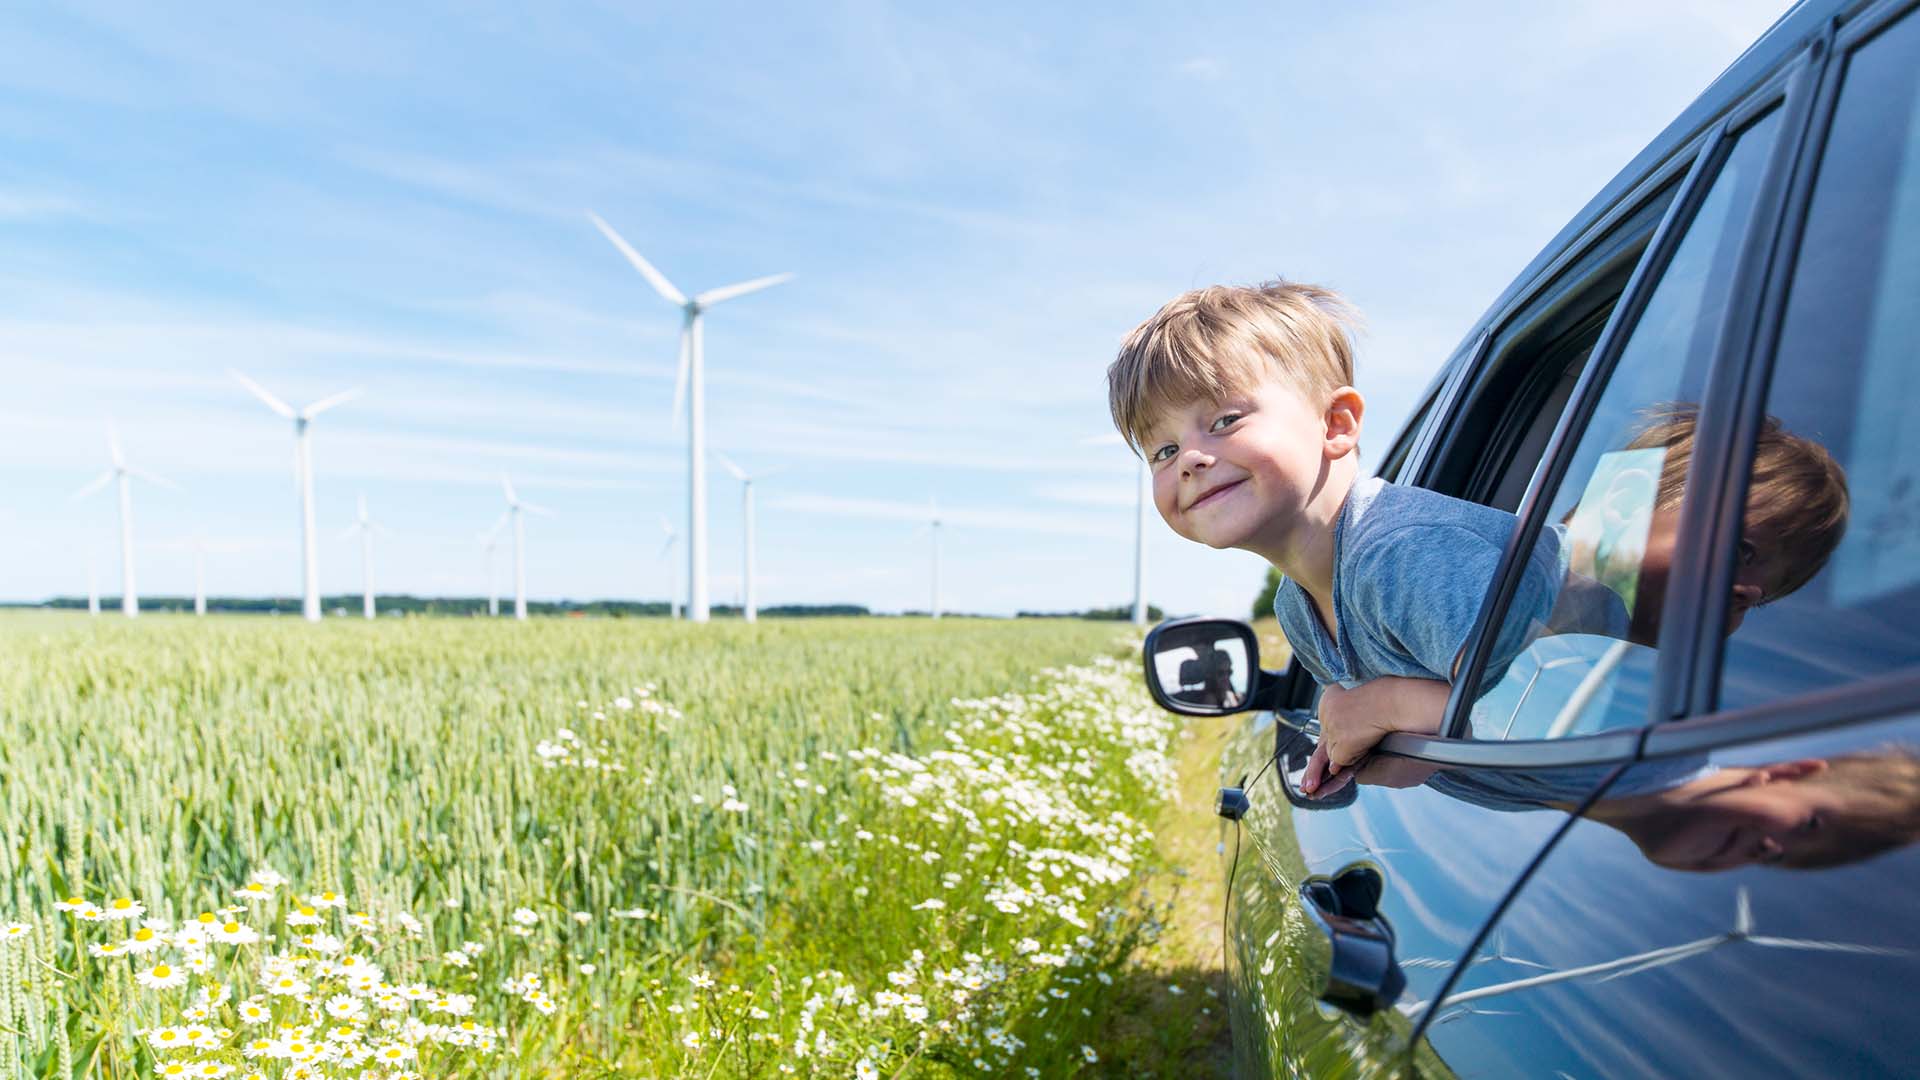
(1789, 89)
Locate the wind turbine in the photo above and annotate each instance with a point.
(365, 526)
(514, 506)
(488, 541)
(93, 588)
(199, 576)
(933, 527)
(1143, 498)
(673, 537)
(303, 475)
(749, 608)
(123, 473)
(690, 377)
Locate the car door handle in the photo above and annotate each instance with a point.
(1352, 940)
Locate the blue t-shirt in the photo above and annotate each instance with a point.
(1410, 570)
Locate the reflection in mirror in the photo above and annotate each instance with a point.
(1206, 667)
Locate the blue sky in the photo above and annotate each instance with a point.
(978, 202)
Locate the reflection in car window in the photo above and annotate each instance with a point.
(1614, 517)
(1830, 552)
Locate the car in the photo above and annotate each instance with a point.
(1685, 846)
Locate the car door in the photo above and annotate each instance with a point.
(1740, 901)
(1623, 324)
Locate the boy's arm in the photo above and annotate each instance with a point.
(1353, 721)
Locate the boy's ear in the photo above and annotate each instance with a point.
(1788, 770)
(1344, 411)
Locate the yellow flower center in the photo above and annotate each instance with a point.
(230, 928)
(161, 971)
(143, 934)
(75, 900)
(304, 910)
(122, 904)
(209, 917)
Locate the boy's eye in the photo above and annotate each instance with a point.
(1224, 422)
(1161, 453)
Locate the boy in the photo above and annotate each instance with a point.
(1241, 400)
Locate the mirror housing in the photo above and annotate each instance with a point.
(1208, 667)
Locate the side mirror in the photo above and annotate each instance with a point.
(1207, 667)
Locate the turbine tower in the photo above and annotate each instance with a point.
(750, 609)
(514, 507)
(303, 476)
(933, 527)
(666, 550)
(488, 541)
(123, 473)
(365, 526)
(691, 378)
(1143, 498)
(199, 576)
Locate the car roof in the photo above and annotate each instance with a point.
(1782, 41)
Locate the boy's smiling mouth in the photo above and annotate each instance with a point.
(1214, 492)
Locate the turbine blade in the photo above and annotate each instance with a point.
(512, 499)
(103, 480)
(667, 525)
(680, 375)
(739, 473)
(326, 403)
(260, 392)
(490, 535)
(666, 547)
(347, 533)
(654, 277)
(151, 478)
(728, 292)
(113, 447)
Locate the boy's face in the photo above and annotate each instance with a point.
(1744, 816)
(1240, 471)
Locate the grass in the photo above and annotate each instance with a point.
(588, 848)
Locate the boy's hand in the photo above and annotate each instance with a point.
(1353, 721)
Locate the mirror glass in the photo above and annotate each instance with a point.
(1204, 666)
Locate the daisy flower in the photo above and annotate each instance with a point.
(305, 915)
(166, 1038)
(123, 907)
(525, 916)
(107, 948)
(161, 977)
(254, 891)
(234, 933)
(144, 940)
(327, 900)
(14, 930)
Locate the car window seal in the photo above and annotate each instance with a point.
(1860, 702)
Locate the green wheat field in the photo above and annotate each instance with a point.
(250, 847)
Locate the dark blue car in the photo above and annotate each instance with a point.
(1685, 847)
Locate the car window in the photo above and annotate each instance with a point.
(1827, 582)
(1574, 654)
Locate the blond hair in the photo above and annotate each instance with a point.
(1208, 343)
